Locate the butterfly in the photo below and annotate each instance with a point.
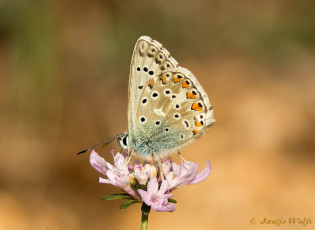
(168, 108)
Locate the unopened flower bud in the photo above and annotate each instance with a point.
(153, 172)
(132, 179)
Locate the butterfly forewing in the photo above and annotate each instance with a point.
(167, 106)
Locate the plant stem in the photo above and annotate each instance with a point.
(145, 209)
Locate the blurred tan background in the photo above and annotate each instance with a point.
(64, 69)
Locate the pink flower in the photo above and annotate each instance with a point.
(142, 173)
(98, 162)
(186, 173)
(117, 175)
(131, 178)
(157, 199)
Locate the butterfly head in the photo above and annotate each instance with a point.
(123, 140)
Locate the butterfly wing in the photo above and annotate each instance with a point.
(145, 64)
(168, 108)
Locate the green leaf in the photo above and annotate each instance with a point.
(127, 203)
(172, 200)
(117, 196)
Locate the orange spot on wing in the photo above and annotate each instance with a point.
(184, 84)
(198, 124)
(195, 131)
(151, 83)
(196, 106)
(176, 79)
(191, 95)
(163, 78)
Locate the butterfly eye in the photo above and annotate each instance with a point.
(143, 120)
(123, 141)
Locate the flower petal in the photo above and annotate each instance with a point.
(152, 186)
(168, 195)
(113, 177)
(145, 196)
(202, 175)
(105, 181)
(98, 162)
(163, 187)
(164, 208)
(176, 168)
(191, 170)
(118, 158)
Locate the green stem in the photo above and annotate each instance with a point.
(145, 209)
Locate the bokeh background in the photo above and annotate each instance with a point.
(64, 69)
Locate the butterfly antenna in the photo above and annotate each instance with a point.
(106, 141)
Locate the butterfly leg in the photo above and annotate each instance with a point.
(181, 157)
(130, 152)
(163, 176)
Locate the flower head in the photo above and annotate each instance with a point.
(141, 183)
(118, 175)
(142, 173)
(157, 198)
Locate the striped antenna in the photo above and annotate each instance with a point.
(106, 141)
